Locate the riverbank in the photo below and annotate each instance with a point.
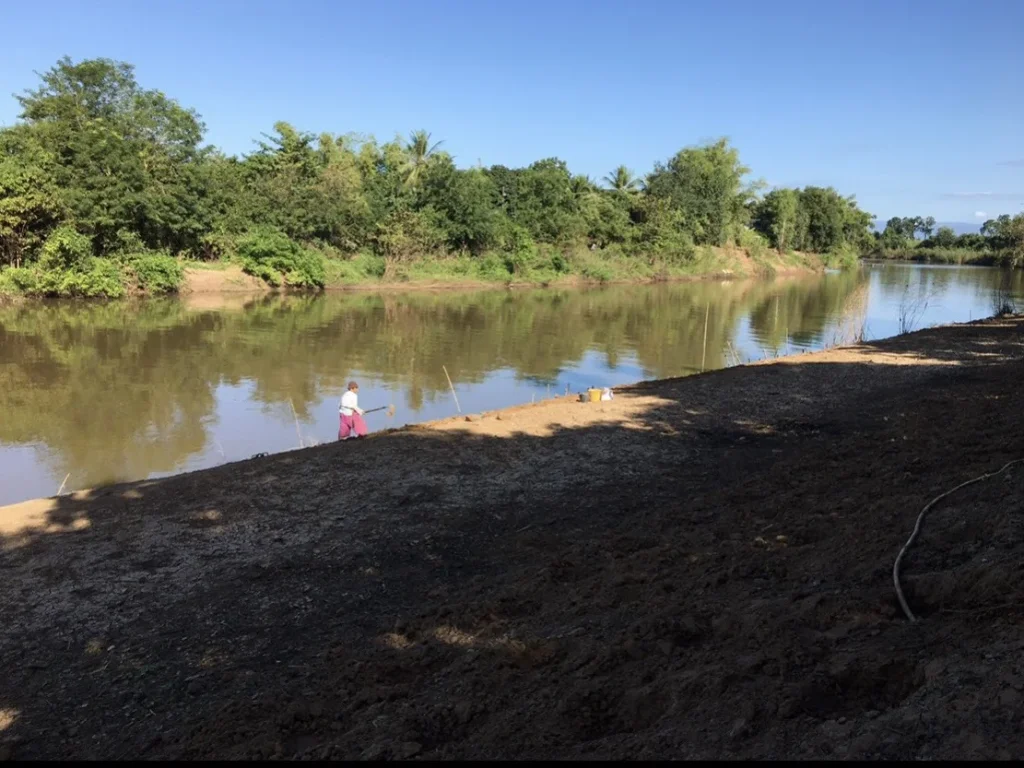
(365, 272)
(359, 274)
(957, 256)
(700, 568)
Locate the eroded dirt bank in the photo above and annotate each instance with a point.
(698, 569)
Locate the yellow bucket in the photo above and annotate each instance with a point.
(595, 395)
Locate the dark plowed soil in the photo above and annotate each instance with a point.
(700, 568)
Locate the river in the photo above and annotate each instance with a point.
(103, 392)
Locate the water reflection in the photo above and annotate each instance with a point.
(131, 390)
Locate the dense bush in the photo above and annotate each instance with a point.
(65, 250)
(755, 243)
(95, 278)
(520, 250)
(66, 268)
(156, 273)
(99, 278)
(271, 255)
(23, 280)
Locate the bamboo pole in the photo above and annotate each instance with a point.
(457, 406)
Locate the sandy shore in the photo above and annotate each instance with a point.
(699, 568)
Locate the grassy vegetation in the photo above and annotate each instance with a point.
(150, 274)
(935, 255)
(156, 274)
(841, 257)
(550, 266)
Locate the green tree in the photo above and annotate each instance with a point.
(997, 232)
(659, 229)
(622, 179)
(776, 217)
(1013, 239)
(546, 202)
(972, 241)
(283, 174)
(344, 216)
(124, 155)
(582, 186)
(857, 226)
(312, 188)
(945, 238)
(705, 184)
(420, 152)
(30, 203)
(893, 235)
(823, 219)
(606, 218)
(460, 204)
(404, 236)
(505, 186)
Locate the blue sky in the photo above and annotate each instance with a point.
(915, 107)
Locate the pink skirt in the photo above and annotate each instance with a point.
(353, 424)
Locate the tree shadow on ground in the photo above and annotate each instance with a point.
(701, 571)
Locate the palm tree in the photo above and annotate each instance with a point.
(622, 180)
(419, 151)
(581, 185)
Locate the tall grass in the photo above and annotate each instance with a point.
(937, 255)
(547, 265)
(842, 257)
(1003, 302)
(911, 308)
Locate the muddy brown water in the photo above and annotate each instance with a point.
(104, 392)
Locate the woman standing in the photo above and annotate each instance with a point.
(352, 422)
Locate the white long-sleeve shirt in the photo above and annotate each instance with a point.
(349, 404)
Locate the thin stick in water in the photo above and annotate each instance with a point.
(704, 355)
(452, 386)
(296, 417)
(59, 490)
